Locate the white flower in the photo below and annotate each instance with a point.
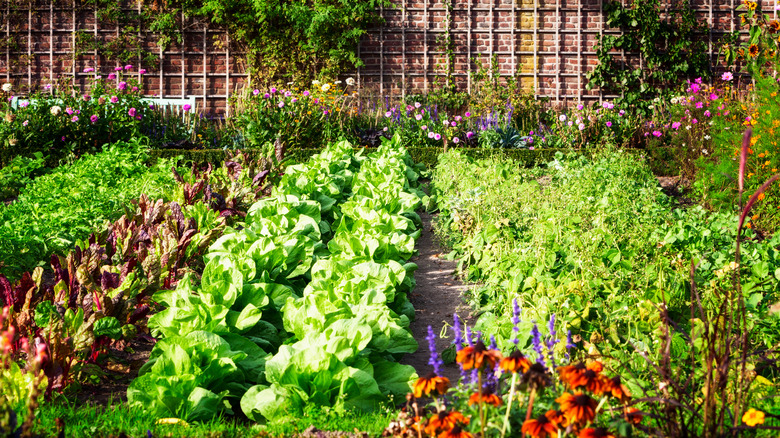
(674, 101)
(445, 122)
(707, 137)
(688, 127)
(562, 117)
(336, 82)
(8, 87)
(351, 82)
(651, 107)
(704, 151)
(55, 110)
(325, 87)
(315, 82)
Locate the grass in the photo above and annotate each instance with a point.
(118, 419)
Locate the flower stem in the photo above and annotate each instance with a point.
(481, 408)
(509, 404)
(530, 403)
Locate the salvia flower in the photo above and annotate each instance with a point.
(536, 338)
(434, 361)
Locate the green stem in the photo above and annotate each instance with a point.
(509, 404)
(481, 408)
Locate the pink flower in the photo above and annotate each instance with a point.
(142, 71)
(114, 99)
(657, 133)
(94, 118)
(128, 67)
(467, 115)
(25, 123)
(581, 126)
(89, 70)
(111, 76)
(437, 136)
(418, 117)
(135, 89)
(293, 100)
(266, 96)
(74, 119)
(273, 90)
(707, 113)
(424, 127)
(186, 107)
(728, 76)
(699, 104)
(131, 112)
(388, 114)
(713, 96)
(694, 121)
(417, 104)
(122, 85)
(698, 80)
(453, 124)
(430, 134)
(117, 68)
(281, 104)
(609, 124)
(24, 103)
(455, 140)
(458, 118)
(469, 135)
(579, 107)
(255, 91)
(306, 93)
(69, 110)
(676, 125)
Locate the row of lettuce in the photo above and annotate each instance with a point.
(305, 302)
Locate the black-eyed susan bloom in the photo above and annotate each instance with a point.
(424, 386)
(477, 356)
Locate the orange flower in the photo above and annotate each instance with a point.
(539, 426)
(577, 408)
(618, 390)
(753, 417)
(456, 432)
(557, 418)
(633, 415)
(598, 432)
(477, 357)
(588, 376)
(774, 26)
(753, 50)
(515, 362)
(444, 421)
(485, 396)
(424, 386)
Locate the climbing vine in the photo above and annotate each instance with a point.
(669, 44)
(283, 39)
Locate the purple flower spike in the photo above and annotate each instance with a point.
(435, 361)
(537, 341)
(468, 337)
(515, 321)
(458, 333)
(569, 344)
(552, 340)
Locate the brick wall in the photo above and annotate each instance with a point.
(547, 44)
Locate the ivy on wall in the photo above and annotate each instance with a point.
(283, 39)
(669, 43)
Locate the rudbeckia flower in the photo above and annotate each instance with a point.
(424, 386)
(753, 50)
(633, 415)
(578, 407)
(444, 421)
(618, 390)
(540, 426)
(478, 356)
(485, 396)
(598, 432)
(515, 362)
(456, 432)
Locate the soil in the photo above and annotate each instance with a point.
(122, 368)
(437, 296)
(676, 188)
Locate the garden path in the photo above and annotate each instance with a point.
(436, 297)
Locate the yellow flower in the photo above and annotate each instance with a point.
(753, 417)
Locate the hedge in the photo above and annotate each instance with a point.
(662, 161)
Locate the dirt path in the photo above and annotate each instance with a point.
(436, 297)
